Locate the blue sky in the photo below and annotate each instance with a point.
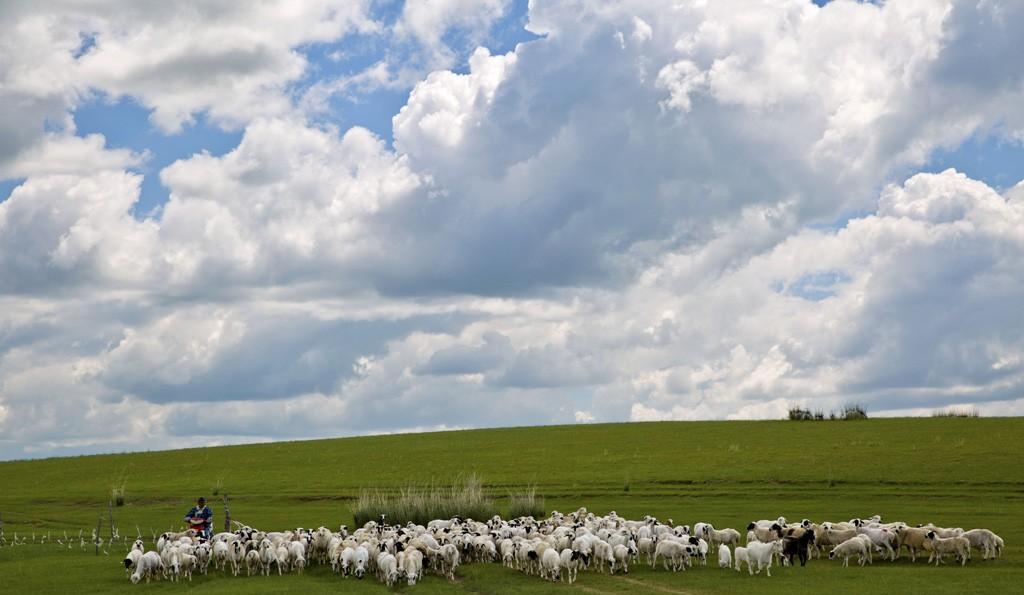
(412, 215)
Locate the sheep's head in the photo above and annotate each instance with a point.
(930, 535)
(832, 555)
(806, 523)
(751, 526)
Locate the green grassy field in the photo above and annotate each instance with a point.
(957, 472)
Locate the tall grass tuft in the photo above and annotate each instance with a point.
(526, 503)
(849, 411)
(117, 494)
(854, 411)
(422, 504)
(956, 412)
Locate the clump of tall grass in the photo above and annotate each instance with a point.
(848, 412)
(956, 412)
(421, 504)
(854, 411)
(117, 495)
(526, 503)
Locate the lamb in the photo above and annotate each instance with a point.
(911, 538)
(188, 564)
(550, 564)
(622, 554)
(147, 567)
(726, 536)
(570, 561)
(236, 555)
(131, 560)
(672, 551)
(412, 565)
(281, 554)
(762, 553)
(268, 557)
(387, 566)
(448, 559)
(984, 540)
(797, 545)
(253, 563)
(848, 549)
(742, 556)
(881, 537)
(959, 546)
(221, 553)
(362, 558)
(724, 556)
(763, 533)
(348, 560)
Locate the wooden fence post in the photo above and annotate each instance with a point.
(227, 514)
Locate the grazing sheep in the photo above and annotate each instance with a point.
(362, 558)
(762, 554)
(911, 538)
(984, 540)
(551, 563)
(131, 560)
(762, 533)
(742, 556)
(148, 566)
(958, 546)
(221, 554)
(727, 536)
(881, 537)
(798, 546)
(672, 551)
(724, 556)
(253, 563)
(387, 565)
(412, 565)
(622, 554)
(849, 548)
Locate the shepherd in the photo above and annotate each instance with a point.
(200, 518)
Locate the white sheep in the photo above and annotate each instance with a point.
(959, 546)
(742, 556)
(762, 553)
(387, 566)
(221, 554)
(148, 566)
(724, 557)
(412, 565)
(362, 558)
(570, 562)
(881, 537)
(984, 540)
(622, 554)
(848, 549)
(253, 563)
(674, 552)
(551, 564)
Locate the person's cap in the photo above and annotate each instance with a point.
(201, 499)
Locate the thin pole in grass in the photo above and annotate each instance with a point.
(99, 527)
(110, 513)
(227, 514)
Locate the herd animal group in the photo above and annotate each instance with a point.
(556, 548)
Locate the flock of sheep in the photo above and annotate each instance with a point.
(556, 548)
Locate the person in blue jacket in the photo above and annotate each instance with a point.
(200, 518)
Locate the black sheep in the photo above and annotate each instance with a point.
(797, 546)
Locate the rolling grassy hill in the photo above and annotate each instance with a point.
(951, 471)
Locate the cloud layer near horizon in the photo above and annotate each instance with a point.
(656, 210)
